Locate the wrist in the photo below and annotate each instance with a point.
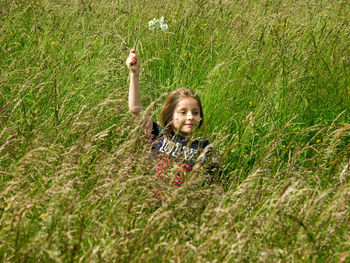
(134, 74)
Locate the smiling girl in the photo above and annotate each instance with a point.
(172, 139)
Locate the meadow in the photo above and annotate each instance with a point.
(77, 175)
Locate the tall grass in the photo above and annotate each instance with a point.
(77, 179)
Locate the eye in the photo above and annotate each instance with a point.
(182, 112)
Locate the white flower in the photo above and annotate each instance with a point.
(157, 24)
(163, 27)
(153, 24)
(162, 20)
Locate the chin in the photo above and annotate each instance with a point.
(186, 132)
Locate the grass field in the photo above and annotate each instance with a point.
(76, 174)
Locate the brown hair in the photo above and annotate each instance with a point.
(166, 115)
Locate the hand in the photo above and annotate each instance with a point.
(133, 62)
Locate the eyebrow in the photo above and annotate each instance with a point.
(185, 108)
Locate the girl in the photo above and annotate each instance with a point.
(181, 115)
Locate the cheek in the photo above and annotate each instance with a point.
(177, 120)
(176, 117)
(174, 120)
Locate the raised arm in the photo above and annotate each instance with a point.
(133, 63)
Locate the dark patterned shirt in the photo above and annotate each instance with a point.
(176, 148)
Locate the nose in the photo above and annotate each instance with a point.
(189, 116)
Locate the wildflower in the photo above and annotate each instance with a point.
(320, 118)
(250, 103)
(283, 146)
(10, 33)
(152, 24)
(53, 43)
(157, 24)
(163, 27)
(318, 141)
(37, 3)
(175, 13)
(42, 215)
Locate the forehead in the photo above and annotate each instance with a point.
(188, 102)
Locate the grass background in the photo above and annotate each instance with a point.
(77, 177)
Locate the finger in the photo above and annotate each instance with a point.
(129, 61)
(132, 58)
(132, 64)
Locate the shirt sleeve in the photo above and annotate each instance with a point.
(156, 130)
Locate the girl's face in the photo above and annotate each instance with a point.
(186, 116)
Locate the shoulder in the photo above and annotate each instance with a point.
(156, 130)
(202, 143)
(206, 148)
(205, 143)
